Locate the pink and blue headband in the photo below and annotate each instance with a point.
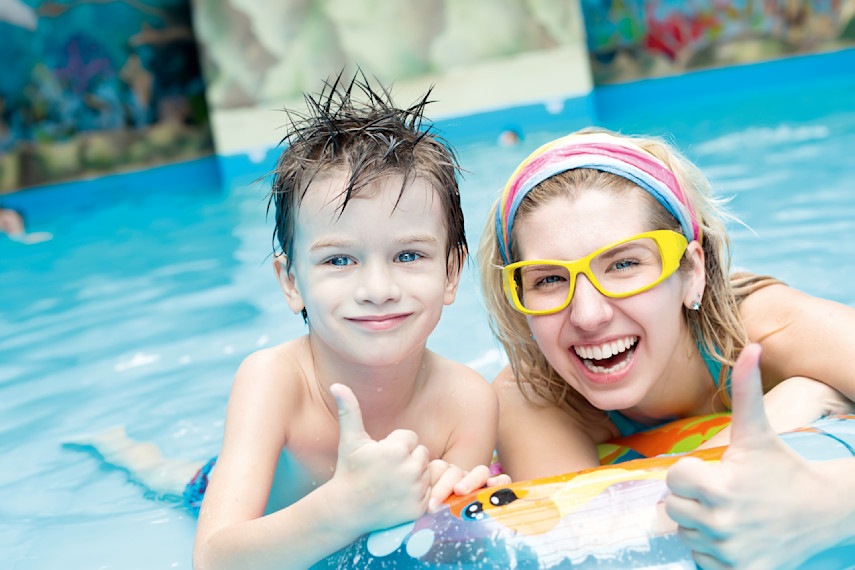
(597, 153)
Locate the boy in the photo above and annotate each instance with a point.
(370, 229)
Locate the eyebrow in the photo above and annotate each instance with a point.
(332, 244)
(620, 249)
(417, 238)
(348, 244)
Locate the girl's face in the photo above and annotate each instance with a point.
(616, 352)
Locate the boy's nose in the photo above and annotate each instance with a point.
(589, 309)
(377, 284)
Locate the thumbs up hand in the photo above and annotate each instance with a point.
(384, 483)
(762, 506)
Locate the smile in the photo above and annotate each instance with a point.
(608, 357)
(380, 322)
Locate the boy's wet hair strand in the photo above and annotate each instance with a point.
(368, 138)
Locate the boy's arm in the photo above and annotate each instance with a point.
(475, 418)
(375, 485)
(465, 464)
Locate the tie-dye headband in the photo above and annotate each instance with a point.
(599, 153)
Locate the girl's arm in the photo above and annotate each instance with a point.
(792, 404)
(762, 506)
(798, 401)
(537, 441)
(375, 485)
(802, 336)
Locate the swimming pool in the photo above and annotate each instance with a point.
(158, 283)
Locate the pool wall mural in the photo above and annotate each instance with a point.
(95, 86)
(631, 39)
(89, 87)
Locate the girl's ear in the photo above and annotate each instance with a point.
(452, 274)
(697, 278)
(288, 283)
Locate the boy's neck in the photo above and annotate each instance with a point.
(382, 391)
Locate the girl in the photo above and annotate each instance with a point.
(605, 267)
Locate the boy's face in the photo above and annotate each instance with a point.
(375, 277)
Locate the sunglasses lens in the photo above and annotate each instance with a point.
(542, 287)
(628, 267)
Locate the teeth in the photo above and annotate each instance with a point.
(605, 350)
(602, 369)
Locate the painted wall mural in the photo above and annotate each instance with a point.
(90, 86)
(93, 85)
(631, 39)
(255, 51)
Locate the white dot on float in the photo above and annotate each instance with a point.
(385, 542)
(420, 543)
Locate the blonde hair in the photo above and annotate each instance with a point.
(717, 325)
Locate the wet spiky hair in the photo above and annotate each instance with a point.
(370, 138)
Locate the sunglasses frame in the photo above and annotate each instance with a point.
(672, 246)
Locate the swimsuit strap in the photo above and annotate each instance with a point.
(628, 426)
(713, 365)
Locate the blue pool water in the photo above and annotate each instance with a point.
(157, 284)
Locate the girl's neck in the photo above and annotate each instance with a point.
(687, 390)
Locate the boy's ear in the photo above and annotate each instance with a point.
(288, 283)
(452, 272)
(697, 279)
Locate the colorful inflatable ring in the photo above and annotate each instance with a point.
(611, 516)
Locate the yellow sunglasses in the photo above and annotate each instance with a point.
(620, 269)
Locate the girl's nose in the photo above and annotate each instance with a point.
(377, 284)
(589, 309)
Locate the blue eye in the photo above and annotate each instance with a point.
(339, 261)
(625, 264)
(408, 256)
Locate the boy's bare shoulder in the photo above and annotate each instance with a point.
(463, 380)
(276, 357)
(467, 409)
(276, 374)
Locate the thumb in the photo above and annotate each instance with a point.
(748, 423)
(351, 429)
